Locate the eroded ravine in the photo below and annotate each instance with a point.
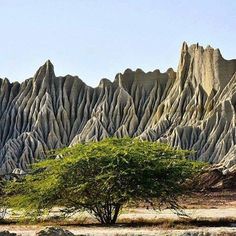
(193, 108)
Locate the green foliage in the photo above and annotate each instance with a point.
(101, 177)
(2, 203)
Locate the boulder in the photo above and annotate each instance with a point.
(7, 233)
(54, 231)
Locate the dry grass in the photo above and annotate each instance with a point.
(139, 217)
(161, 223)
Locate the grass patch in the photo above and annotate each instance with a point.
(162, 223)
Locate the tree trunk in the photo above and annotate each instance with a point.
(116, 213)
(107, 215)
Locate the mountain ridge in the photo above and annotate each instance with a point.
(193, 108)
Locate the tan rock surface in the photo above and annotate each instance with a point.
(193, 108)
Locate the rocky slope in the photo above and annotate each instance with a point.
(193, 108)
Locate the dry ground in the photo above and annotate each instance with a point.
(213, 212)
(206, 200)
(121, 231)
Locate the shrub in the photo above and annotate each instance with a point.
(101, 177)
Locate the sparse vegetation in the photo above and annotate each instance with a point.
(3, 209)
(100, 177)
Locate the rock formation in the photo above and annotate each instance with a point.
(54, 231)
(7, 233)
(193, 108)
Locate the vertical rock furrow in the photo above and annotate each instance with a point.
(193, 108)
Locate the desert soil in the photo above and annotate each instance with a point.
(116, 231)
(212, 207)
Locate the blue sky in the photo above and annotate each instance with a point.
(97, 39)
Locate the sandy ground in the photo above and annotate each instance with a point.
(115, 231)
(213, 206)
(168, 214)
(136, 215)
(150, 215)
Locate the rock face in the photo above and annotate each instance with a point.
(7, 233)
(215, 180)
(52, 231)
(193, 108)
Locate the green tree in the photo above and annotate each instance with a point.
(100, 177)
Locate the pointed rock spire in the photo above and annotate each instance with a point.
(184, 47)
(190, 112)
(44, 74)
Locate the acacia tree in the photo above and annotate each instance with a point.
(101, 177)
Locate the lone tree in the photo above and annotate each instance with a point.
(100, 177)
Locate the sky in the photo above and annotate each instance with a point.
(96, 39)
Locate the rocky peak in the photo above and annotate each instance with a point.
(191, 109)
(206, 66)
(44, 74)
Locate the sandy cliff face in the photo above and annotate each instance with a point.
(199, 111)
(193, 108)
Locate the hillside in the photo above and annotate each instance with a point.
(193, 108)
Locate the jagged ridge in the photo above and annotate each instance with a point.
(193, 108)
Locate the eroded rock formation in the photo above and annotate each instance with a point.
(193, 108)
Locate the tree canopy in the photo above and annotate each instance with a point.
(101, 177)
